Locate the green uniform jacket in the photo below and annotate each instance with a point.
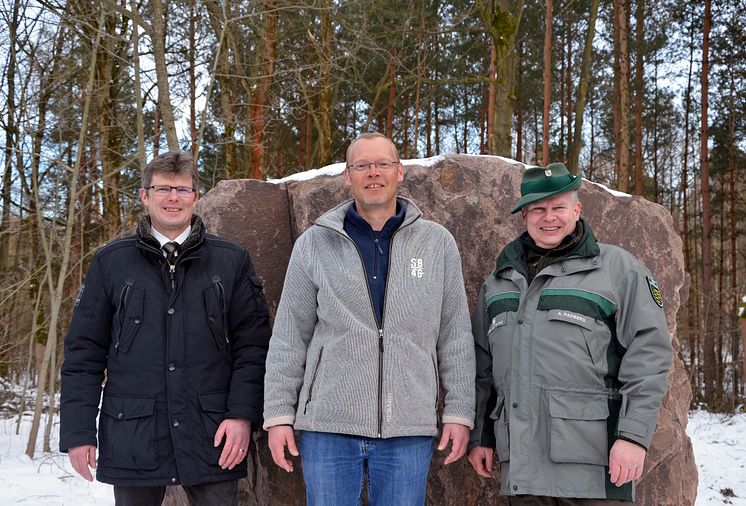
(566, 365)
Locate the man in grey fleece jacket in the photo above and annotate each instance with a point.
(372, 322)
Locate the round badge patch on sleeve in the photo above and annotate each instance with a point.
(655, 291)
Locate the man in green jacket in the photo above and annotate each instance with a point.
(572, 355)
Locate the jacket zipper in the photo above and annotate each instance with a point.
(122, 311)
(313, 380)
(379, 326)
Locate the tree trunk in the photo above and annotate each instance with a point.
(158, 38)
(692, 329)
(260, 102)
(192, 79)
(11, 135)
(568, 85)
(585, 72)
(521, 106)
(621, 15)
(733, 201)
(106, 120)
(391, 70)
(420, 76)
(547, 83)
(138, 93)
(709, 342)
(491, 99)
(324, 126)
(639, 90)
(502, 18)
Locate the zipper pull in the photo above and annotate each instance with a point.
(380, 340)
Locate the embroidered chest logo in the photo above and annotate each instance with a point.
(416, 268)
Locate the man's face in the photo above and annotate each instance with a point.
(169, 214)
(550, 220)
(374, 187)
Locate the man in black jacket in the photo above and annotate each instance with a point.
(175, 324)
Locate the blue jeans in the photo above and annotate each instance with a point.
(334, 466)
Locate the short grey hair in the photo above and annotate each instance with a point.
(369, 136)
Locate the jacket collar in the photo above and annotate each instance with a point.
(335, 217)
(145, 238)
(514, 254)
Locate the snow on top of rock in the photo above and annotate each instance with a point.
(338, 168)
(616, 193)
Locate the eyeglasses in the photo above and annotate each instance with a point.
(380, 165)
(165, 190)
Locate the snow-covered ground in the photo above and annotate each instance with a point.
(719, 447)
(720, 452)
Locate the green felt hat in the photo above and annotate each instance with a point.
(539, 183)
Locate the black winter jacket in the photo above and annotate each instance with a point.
(182, 351)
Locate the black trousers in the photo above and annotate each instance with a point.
(224, 493)
(539, 500)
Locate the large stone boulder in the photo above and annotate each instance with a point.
(472, 197)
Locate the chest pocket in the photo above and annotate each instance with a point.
(129, 316)
(215, 308)
(589, 328)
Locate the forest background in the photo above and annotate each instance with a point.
(647, 97)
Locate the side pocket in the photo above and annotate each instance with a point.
(127, 433)
(215, 303)
(129, 316)
(578, 432)
(214, 406)
(502, 432)
(313, 380)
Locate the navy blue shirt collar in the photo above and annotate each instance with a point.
(354, 219)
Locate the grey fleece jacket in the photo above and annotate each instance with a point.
(330, 368)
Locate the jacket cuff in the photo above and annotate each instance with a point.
(458, 419)
(77, 438)
(634, 432)
(278, 420)
(633, 442)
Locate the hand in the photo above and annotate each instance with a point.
(481, 460)
(457, 433)
(237, 435)
(625, 462)
(281, 436)
(81, 457)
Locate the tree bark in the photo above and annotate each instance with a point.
(709, 342)
(11, 135)
(502, 18)
(547, 83)
(692, 331)
(324, 126)
(585, 72)
(260, 103)
(621, 15)
(138, 93)
(639, 91)
(158, 38)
